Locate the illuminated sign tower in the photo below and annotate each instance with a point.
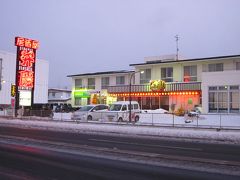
(25, 71)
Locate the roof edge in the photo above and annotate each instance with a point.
(183, 60)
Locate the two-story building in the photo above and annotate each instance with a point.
(92, 88)
(213, 83)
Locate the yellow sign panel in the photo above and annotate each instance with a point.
(13, 90)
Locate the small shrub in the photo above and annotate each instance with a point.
(180, 112)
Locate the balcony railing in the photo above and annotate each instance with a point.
(170, 87)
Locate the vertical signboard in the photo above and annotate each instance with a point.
(25, 70)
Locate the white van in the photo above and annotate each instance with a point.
(119, 111)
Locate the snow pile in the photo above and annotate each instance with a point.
(190, 133)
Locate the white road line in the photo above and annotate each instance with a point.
(149, 145)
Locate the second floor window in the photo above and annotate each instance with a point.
(146, 76)
(105, 82)
(237, 65)
(215, 67)
(78, 83)
(91, 83)
(167, 74)
(120, 80)
(190, 73)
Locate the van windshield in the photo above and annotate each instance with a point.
(115, 107)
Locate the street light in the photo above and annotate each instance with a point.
(130, 96)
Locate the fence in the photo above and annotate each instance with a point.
(27, 114)
(218, 121)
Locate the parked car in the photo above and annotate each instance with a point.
(90, 112)
(119, 111)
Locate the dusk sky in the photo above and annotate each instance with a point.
(81, 36)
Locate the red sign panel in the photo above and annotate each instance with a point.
(28, 43)
(27, 58)
(25, 79)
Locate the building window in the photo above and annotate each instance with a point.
(222, 102)
(167, 74)
(224, 99)
(105, 82)
(190, 73)
(53, 94)
(78, 101)
(146, 76)
(91, 83)
(215, 67)
(78, 83)
(212, 100)
(120, 80)
(237, 65)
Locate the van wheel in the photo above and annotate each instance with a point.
(89, 117)
(136, 118)
(120, 119)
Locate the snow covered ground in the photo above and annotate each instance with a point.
(159, 118)
(196, 134)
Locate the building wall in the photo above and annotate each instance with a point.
(9, 73)
(59, 95)
(225, 78)
(41, 81)
(8, 76)
(202, 66)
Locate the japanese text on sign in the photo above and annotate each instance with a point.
(28, 43)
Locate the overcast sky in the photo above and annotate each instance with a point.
(80, 36)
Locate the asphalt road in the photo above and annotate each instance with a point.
(38, 154)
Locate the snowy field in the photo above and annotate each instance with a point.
(134, 130)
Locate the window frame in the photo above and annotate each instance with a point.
(192, 77)
(214, 67)
(146, 76)
(104, 85)
(120, 80)
(237, 65)
(167, 78)
(91, 85)
(78, 85)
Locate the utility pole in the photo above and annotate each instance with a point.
(177, 38)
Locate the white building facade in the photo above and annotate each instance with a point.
(212, 83)
(214, 79)
(8, 75)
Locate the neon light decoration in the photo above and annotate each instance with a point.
(154, 94)
(26, 59)
(28, 43)
(26, 79)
